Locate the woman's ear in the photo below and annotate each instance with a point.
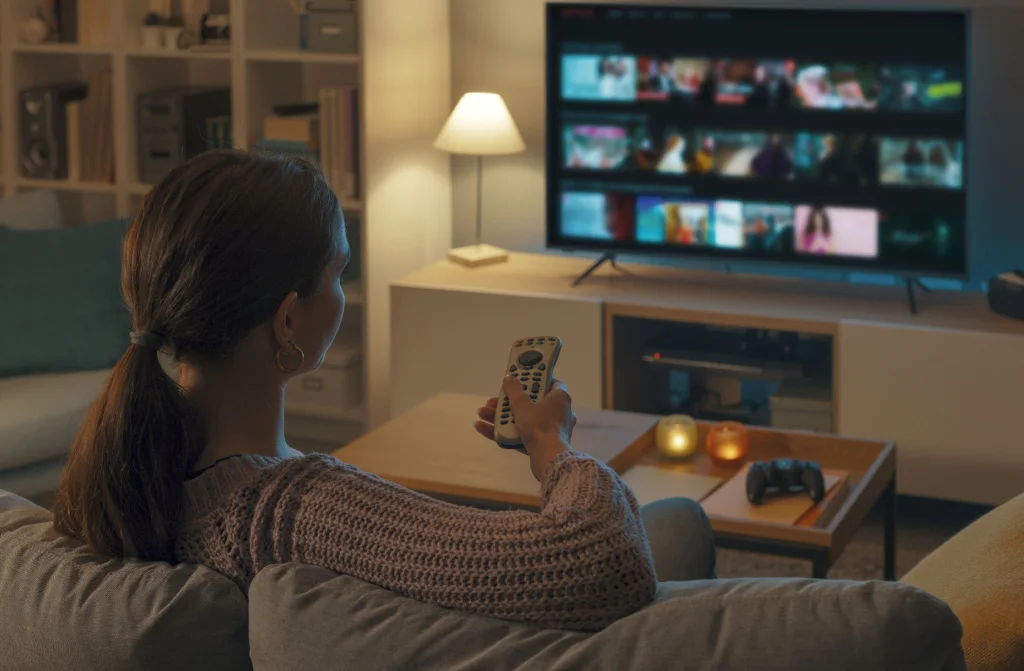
(284, 320)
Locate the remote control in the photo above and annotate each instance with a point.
(532, 360)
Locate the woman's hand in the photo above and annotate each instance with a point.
(545, 427)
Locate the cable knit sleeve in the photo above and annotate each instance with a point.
(582, 562)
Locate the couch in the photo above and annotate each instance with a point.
(64, 608)
(39, 413)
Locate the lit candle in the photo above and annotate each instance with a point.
(727, 444)
(676, 436)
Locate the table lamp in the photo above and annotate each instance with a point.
(480, 125)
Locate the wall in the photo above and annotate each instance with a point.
(498, 45)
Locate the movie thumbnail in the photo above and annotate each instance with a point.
(674, 150)
(598, 216)
(923, 240)
(922, 162)
(768, 227)
(849, 160)
(600, 78)
(920, 89)
(604, 147)
(836, 231)
(764, 156)
(761, 84)
(836, 86)
(729, 224)
(677, 221)
(689, 75)
(677, 78)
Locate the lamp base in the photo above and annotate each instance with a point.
(474, 256)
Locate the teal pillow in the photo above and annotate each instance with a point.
(60, 299)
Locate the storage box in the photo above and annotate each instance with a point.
(335, 387)
(331, 27)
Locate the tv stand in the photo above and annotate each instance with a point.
(609, 257)
(911, 283)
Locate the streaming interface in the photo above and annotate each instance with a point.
(797, 135)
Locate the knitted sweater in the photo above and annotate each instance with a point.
(580, 563)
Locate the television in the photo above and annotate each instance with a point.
(819, 137)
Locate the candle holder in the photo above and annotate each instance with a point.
(676, 437)
(728, 443)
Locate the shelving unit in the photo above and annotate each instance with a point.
(405, 96)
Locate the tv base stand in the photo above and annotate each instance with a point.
(912, 283)
(610, 258)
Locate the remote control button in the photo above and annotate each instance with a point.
(530, 358)
(542, 367)
(504, 421)
(533, 397)
(536, 387)
(512, 368)
(504, 415)
(524, 387)
(505, 403)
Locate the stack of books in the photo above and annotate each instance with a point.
(90, 133)
(339, 112)
(325, 133)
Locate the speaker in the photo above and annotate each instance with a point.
(44, 142)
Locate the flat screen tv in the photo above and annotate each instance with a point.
(829, 138)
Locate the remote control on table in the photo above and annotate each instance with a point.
(532, 360)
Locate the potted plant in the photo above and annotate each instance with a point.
(173, 28)
(152, 33)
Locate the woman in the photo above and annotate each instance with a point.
(817, 235)
(233, 267)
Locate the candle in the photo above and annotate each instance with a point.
(727, 444)
(676, 436)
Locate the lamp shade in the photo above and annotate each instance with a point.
(480, 125)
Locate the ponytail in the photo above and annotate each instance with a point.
(122, 491)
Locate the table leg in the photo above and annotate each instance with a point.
(889, 543)
(819, 565)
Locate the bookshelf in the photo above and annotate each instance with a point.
(403, 209)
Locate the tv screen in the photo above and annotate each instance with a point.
(815, 137)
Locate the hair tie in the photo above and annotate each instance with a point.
(146, 339)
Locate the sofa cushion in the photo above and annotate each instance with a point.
(980, 574)
(34, 210)
(308, 618)
(66, 608)
(60, 299)
(39, 414)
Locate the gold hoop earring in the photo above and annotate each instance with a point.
(295, 348)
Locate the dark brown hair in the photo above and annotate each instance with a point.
(216, 247)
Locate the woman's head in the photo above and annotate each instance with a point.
(231, 254)
(818, 223)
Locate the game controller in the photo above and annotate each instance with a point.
(784, 474)
(532, 360)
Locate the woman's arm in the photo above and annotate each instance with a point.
(580, 563)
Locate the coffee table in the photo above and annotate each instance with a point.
(432, 448)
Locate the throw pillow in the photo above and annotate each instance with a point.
(980, 574)
(32, 210)
(60, 299)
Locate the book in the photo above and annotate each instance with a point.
(652, 483)
(730, 500)
(303, 128)
(73, 115)
(291, 148)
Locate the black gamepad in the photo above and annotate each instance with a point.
(785, 474)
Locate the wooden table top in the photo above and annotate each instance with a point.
(434, 449)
